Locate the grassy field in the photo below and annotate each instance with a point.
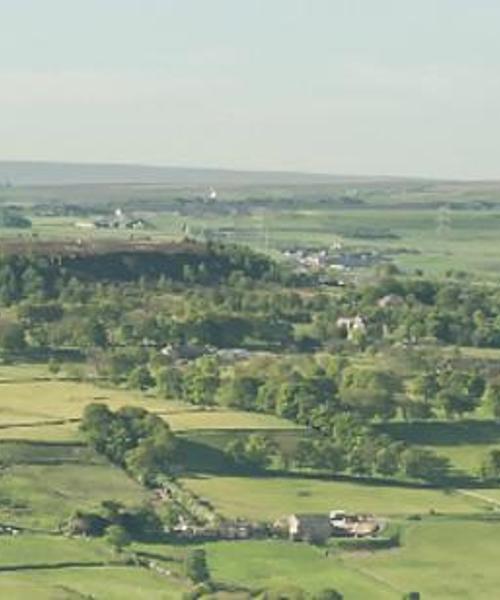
(101, 583)
(279, 564)
(43, 410)
(41, 496)
(464, 442)
(444, 560)
(42, 576)
(270, 498)
(43, 549)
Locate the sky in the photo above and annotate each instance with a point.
(375, 87)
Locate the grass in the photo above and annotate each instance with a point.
(226, 420)
(443, 560)
(271, 564)
(269, 498)
(464, 442)
(65, 432)
(42, 405)
(35, 402)
(110, 583)
(40, 549)
(113, 582)
(43, 496)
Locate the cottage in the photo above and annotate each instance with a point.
(318, 528)
(351, 326)
(309, 528)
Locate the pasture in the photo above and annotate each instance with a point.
(50, 410)
(54, 567)
(42, 496)
(281, 564)
(109, 582)
(268, 498)
(463, 550)
(464, 442)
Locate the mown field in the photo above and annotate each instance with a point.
(106, 583)
(50, 567)
(442, 559)
(273, 497)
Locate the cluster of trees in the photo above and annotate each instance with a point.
(119, 524)
(13, 219)
(306, 394)
(132, 438)
(452, 313)
(336, 401)
(490, 466)
(361, 452)
(22, 276)
(255, 452)
(454, 392)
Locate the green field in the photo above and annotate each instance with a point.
(270, 498)
(46, 471)
(43, 410)
(113, 583)
(444, 559)
(464, 442)
(50, 567)
(280, 564)
(42, 496)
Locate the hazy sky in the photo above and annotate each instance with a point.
(341, 86)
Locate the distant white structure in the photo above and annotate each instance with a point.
(212, 194)
(390, 300)
(85, 225)
(351, 325)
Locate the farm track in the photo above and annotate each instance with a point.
(476, 495)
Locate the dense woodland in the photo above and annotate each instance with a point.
(171, 323)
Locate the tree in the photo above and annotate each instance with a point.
(259, 450)
(12, 337)
(370, 392)
(425, 386)
(151, 456)
(491, 397)
(420, 463)
(54, 366)
(117, 537)
(460, 392)
(201, 381)
(255, 452)
(96, 334)
(169, 382)
(196, 567)
(140, 379)
(387, 460)
(490, 466)
(240, 392)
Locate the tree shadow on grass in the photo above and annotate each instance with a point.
(444, 433)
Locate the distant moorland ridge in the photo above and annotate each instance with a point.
(21, 173)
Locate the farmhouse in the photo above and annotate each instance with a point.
(351, 325)
(317, 528)
(309, 527)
